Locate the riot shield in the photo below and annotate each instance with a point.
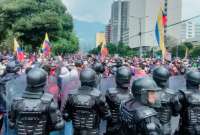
(15, 88)
(177, 82)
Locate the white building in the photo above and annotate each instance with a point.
(197, 30)
(187, 30)
(147, 11)
(190, 30)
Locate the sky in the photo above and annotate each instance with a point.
(100, 10)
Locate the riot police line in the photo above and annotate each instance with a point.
(143, 108)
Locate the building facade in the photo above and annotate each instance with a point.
(108, 33)
(120, 22)
(145, 12)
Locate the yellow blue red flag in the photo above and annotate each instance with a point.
(159, 31)
(18, 51)
(46, 46)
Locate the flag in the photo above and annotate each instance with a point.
(46, 46)
(159, 32)
(18, 51)
(104, 52)
(164, 19)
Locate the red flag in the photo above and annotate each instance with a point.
(164, 19)
(104, 52)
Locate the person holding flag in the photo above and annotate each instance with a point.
(18, 51)
(46, 46)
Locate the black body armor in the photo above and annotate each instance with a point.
(187, 104)
(137, 119)
(35, 116)
(85, 107)
(3, 81)
(165, 112)
(35, 113)
(114, 97)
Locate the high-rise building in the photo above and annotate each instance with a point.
(197, 30)
(187, 30)
(144, 13)
(108, 33)
(100, 39)
(190, 30)
(120, 22)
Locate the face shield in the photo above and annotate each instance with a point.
(151, 98)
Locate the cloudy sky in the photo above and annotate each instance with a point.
(99, 10)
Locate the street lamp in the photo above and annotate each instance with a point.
(140, 32)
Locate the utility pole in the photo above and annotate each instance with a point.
(140, 34)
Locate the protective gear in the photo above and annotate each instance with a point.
(99, 68)
(161, 76)
(137, 119)
(78, 63)
(12, 67)
(136, 116)
(114, 97)
(119, 62)
(88, 77)
(35, 115)
(141, 87)
(187, 104)
(36, 78)
(123, 77)
(85, 107)
(165, 112)
(193, 79)
(3, 90)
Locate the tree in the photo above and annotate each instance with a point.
(195, 52)
(29, 20)
(121, 49)
(171, 41)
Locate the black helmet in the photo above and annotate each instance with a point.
(78, 63)
(36, 78)
(193, 79)
(119, 62)
(88, 77)
(12, 67)
(99, 68)
(161, 76)
(142, 86)
(123, 77)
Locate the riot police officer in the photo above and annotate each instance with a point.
(35, 112)
(187, 104)
(165, 112)
(99, 68)
(115, 96)
(136, 115)
(9, 74)
(86, 106)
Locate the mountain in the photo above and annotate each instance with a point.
(86, 32)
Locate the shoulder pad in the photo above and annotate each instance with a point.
(144, 112)
(185, 92)
(17, 99)
(112, 91)
(72, 92)
(170, 91)
(46, 98)
(95, 92)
